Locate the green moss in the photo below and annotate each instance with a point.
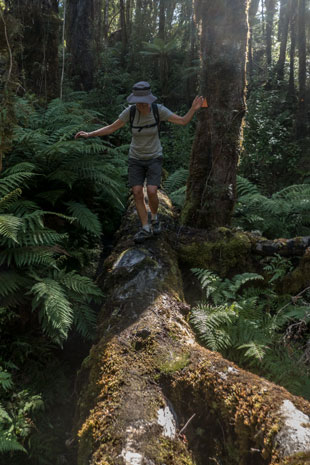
(169, 452)
(298, 279)
(176, 363)
(301, 458)
(228, 252)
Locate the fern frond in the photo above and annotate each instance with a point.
(208, 280)
(10, 445)
(22, 207)
(178, 197)
(245, 187)
(20, 168)
(80, 284)
(51, 196)
(176, 180)
(210, 322)
(4, 414)
(9, 199)
(5, 380)
(9, 226)
(85, 217)
(55, 311)
(10, 282)
(85, 321)
(240, 279)
(255, 351)
(27, 256)
(295, 191)
(13, 181)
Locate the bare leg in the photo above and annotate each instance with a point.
(153, 198)
(140, 204)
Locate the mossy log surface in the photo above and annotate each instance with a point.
(146, 377)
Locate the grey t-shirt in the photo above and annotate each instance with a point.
(145, 144)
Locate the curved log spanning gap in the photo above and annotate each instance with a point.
(146, 377)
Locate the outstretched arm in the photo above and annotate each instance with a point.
(105, 131)
(184, 120)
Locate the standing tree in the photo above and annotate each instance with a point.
(285, 10)
(253, 7)
(291, 83)
(211, 186)
(301, 39)
(38, 58)
(270, 12)
(80, 34)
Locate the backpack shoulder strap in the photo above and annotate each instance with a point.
(156, 115)
(132, 115)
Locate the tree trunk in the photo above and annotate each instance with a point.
(124, 38)
(252, 15)
(270, 11)
(285, 10)
(106, 20)
(212, 179)
(151, 395)
(80, 42)
(162, 20)
(38, 60)
(301, 39)
(291, 83)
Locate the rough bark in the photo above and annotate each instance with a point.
(285, 10)
(301, 39)
(212, 178)
(123, 29)
(150, 395)
(270, 11)
(291, 83)
(38, 59)
(252, 15)
(80, 42)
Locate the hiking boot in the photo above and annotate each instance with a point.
(142, 235)
(156, 226)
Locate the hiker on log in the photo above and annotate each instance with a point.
(145, 153)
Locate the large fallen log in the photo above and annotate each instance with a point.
(150, 395)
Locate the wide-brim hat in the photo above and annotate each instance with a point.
(141, 93)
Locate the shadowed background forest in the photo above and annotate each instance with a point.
(67, 66)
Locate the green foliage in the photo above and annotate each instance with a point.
(284, 213)
(270, 157)
(159, 48)
(175, 185)
(42, 289)
(246, 324)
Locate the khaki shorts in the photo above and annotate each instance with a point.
(141, 170)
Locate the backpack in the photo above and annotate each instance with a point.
(155, 114)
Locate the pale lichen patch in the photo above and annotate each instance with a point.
(166, 420)
(293, 436)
